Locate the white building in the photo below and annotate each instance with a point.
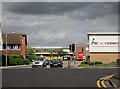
(104, 46)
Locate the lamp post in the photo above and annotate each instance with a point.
(6, 49)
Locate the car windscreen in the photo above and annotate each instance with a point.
(39, 59)
(55, 61)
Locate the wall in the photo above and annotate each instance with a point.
(104, 57)
(23, 47)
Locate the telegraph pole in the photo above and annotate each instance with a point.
(6, 49)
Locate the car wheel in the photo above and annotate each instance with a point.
(35, 66)
(32, 66)
(45, 66)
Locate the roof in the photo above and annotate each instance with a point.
(12, 38)
(48, 47)
(103, 33)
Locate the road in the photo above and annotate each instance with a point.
(54, 77)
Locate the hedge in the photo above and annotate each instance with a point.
(95, 63)
(17, 60)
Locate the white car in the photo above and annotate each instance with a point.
(38, 62)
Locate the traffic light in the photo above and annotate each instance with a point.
(72, 47)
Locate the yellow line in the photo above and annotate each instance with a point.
(102, 81)
(98, 83)
(103, 84)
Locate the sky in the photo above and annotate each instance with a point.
(59, 23)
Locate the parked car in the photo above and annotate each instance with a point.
(39, 62)
(47, 62)
(56, 63)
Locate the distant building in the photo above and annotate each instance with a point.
(15, 44)
(82, 51)
(104, 46)
(47, 51)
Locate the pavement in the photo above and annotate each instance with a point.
(17, 66)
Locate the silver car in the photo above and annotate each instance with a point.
(38, 62)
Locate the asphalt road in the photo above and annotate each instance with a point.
(53, 77)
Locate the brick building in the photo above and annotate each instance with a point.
(15, 44)
(47, 51)
(82, 51)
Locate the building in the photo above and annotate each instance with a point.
(51, 52)
(104, 46)
(82, 51)
(14, 43)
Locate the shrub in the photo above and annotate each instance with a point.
(98, 62)
(91, 63)
(12, 62)
(27, 61)
(88, 61)
(17, 60)
(95, 63)
(82, 65)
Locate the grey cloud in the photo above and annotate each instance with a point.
(42, 7)
(58, 24)
(95, 10)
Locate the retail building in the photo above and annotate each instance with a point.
(104, 46)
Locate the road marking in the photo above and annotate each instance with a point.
(100, 82)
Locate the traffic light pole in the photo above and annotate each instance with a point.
(72, 60)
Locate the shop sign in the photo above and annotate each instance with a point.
(94, 43)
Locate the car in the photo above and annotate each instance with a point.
(38, 62)
(56, 63)
(47, 62)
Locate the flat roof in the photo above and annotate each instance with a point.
(48, 47)
(103, 33)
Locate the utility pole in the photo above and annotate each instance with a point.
(6, 49)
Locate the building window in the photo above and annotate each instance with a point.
(4, 46)
(15, 46)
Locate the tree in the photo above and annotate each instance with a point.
(30, 53)
(51, 53)
(61, 53)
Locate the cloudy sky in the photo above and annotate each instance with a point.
(59, 23)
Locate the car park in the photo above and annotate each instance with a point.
(56, 63)
(40, 61)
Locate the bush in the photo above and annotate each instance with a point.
(95, 63)
(98, 62)
(17, 60)
(83, 65)
(20, 61)
(91, 63)
(88, 61)
(27, 61)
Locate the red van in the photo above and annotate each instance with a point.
(79, 56)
